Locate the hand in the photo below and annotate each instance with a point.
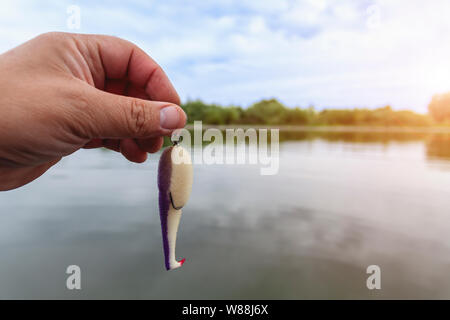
(61, 92)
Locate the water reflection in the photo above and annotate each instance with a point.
(340, 202)
(438, 146)
(355, 136)
(437, 142)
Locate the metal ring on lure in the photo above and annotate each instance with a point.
(174, 184)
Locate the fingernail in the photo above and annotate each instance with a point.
(169, 117)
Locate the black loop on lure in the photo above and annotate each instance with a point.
(173, 204)
(176, 139)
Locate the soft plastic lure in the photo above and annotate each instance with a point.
(174, 184)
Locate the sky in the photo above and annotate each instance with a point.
(325, 53)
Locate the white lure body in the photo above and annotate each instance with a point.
(175, 176)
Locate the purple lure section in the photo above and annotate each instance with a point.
(164, 175)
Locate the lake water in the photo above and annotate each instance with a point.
(340, 202)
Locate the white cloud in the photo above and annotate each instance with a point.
(310, 51)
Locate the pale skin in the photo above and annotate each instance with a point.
(60, 92)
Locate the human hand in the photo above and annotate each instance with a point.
(60, 92)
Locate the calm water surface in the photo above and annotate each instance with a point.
(340, 203)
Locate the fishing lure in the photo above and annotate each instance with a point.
(174, 183)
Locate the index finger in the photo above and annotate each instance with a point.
(112, 58)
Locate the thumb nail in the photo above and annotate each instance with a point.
(169, 117)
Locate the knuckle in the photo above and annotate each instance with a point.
(79, 113)
(57, 41)
(139, 116)
(53, 36)
(50, 34)
(111, 39)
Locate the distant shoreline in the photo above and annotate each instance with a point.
(303, 128)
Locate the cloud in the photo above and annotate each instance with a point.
(323, 52)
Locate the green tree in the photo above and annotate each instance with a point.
(297, 116)
(272, 112)
(195, 110)
(265, 112)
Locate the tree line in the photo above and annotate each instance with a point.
(273, 112)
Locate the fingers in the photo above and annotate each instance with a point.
(136, 150)
(112, 144)
(151, 145)
(126, 124)
(94, 143)
(131, 151)
(105, 115)
(129, 125)
(112, 58)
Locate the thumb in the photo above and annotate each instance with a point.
(114, 116)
